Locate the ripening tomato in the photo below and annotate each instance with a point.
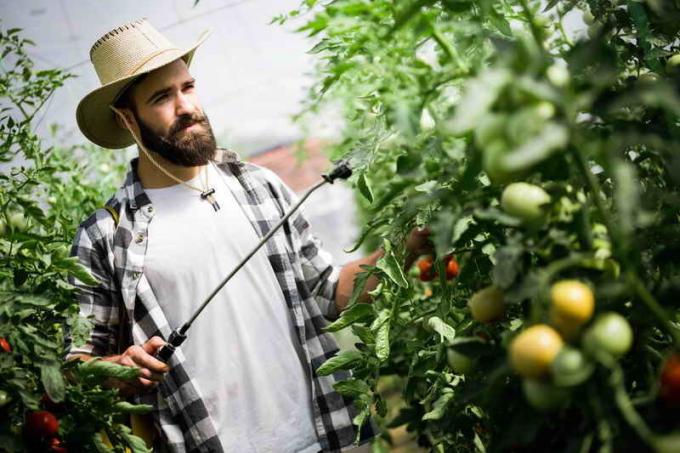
(487, 305)
(533, 351)
(41, 424)
(669, 390)
(610, 333)
(571, 304)
(452, 267)
(4, 345)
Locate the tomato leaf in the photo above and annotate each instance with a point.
(351, 387)
(136, 444)
(365, 188)
(445, 331)
(129, 408)
(74, 268)
(342, 361)
(100, 368)
(355, 313)
(439, 406)
(382, 342)
(390, 266)
(53, 381)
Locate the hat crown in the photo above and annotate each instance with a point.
(124, 50)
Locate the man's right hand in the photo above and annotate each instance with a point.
(151, 370)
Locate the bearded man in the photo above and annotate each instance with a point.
(186, 214)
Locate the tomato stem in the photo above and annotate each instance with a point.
(654, 306)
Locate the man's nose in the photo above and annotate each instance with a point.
(184, 105)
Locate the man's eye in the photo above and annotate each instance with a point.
(160, 98)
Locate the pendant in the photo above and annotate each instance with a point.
(208, 195)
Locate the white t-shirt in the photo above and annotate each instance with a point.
(242, 350)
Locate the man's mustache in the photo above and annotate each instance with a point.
(186, 121)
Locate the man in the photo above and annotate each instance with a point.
(187, 213)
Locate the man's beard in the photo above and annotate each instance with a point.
(196, 147)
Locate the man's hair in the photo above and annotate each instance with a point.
(124, 99)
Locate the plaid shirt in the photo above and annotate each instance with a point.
(115, 255)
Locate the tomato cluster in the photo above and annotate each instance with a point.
(428, 272)
(548, 365)
(41, 428)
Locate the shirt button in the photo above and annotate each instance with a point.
(136, 275)
(139, 238)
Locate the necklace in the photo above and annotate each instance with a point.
(207, 193)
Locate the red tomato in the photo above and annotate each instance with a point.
(452, 267)
(425, 264)
(426, 272)
(4, 345)
(41, 424)
(670, 381)
(427, 276)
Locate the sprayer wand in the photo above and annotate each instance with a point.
(342, 170)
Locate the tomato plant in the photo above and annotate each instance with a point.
(535, 153)
(45, 192)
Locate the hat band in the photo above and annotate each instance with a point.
(149, 58)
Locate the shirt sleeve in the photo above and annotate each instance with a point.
(320, 273)
(98, 303)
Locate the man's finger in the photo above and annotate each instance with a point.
(153, 344)
(146, 360)
(149, 375)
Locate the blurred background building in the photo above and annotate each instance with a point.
(252, 76)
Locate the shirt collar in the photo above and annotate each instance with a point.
(133, 186)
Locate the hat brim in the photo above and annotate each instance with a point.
(95, 118)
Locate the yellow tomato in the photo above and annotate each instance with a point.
(487, 305)
(533, 350)
(572, 305)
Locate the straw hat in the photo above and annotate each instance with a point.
(119, 57)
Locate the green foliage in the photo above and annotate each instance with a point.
(445, 104)
(43, 197)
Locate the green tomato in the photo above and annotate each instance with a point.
(4, 398)
(544, 396)
(525, 201)
(673, 63)
(558, 75)
(459, 363)
(492, 162)
(648, 77)
(17, 221)
(490, 128)
(570, 367)
(610, 333)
